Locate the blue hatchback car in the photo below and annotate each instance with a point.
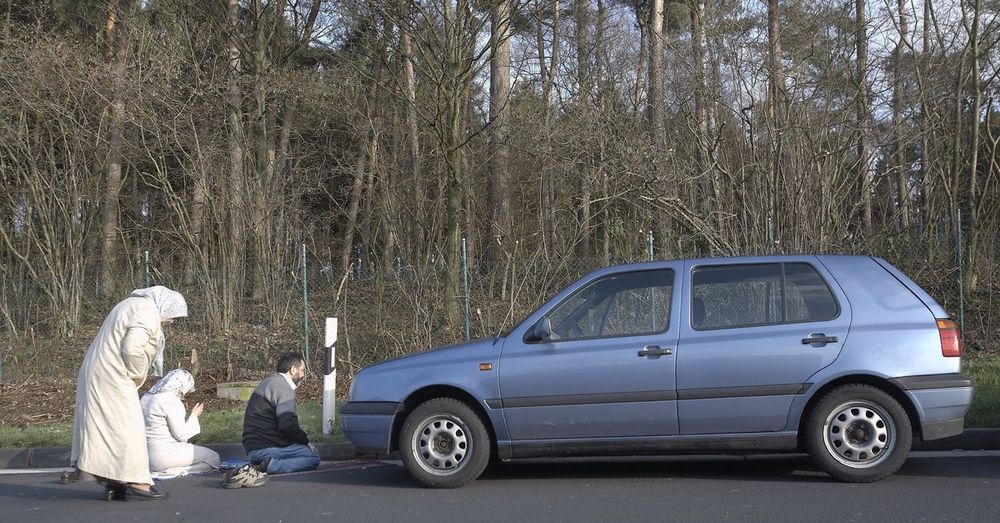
(841, 356)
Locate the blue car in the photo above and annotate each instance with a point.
(844, 357)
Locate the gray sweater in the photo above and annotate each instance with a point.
(270, 419)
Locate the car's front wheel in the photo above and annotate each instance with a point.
(858, 433)
(444, 443)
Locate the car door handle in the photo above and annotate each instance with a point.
(818, 338)
(653, 350)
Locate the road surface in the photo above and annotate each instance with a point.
(930, 486)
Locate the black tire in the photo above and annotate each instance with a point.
(858, 433)
(444, 443)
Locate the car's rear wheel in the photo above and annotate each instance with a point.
(858, 433)
(444, 443)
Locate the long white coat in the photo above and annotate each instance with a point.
(109, 436)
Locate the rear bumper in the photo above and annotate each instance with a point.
(942, 429)
(368, 424)
(941, 401)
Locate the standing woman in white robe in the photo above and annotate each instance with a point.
(167, 431)
(109, 436)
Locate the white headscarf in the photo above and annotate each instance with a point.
(177, 381)
(171, 304)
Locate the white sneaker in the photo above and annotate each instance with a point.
(245, 477)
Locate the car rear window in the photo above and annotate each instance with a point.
(729, 296)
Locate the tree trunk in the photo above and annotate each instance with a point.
(700, 108)
(604, 95)
(418, 227)
(863, 117)
(640, 69)
(925, 142)
(115, 55)
(500, 233)
(654, 98)
(283, 165)
(547, 72)
(774, 111)
(456, 84)
(903, 194)
(582, 15)
(234, 249)
(468, 189)
(972, 244)
(199, 196)
(264, 121)
(453, 210)
(365, 156)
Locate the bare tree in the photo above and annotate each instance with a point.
(500, 22)
(863, 114)
(902, 169)
(115, 53)
(234, 268)
(581, 13)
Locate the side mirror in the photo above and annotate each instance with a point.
(540, 331)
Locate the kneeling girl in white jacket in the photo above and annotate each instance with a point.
(167, 431)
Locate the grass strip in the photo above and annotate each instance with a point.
(985, 374)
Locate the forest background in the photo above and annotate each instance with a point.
(395, 160)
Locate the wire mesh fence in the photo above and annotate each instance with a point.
(394, 309)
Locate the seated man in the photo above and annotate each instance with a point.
(271, 434)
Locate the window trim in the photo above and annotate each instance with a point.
(673, 285)
(784, 312)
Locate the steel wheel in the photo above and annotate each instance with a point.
(441, 444)
(859, 434)
(444, 443)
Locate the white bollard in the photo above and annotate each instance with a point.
(330, 377)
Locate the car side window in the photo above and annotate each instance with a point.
(727, 296)
(626, 304)
(736, 296)
(807, 298)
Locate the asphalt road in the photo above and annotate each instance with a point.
(931, 486)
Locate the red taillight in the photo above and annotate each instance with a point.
(951, 343)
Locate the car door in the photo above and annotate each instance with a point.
(608, 369)
(753, 335)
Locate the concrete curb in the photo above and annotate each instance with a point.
(51, 457)
(970, 439)
(54, 457)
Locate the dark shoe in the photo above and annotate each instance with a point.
(134, 494)
(114, 492)
(262, 466)
(70, 476)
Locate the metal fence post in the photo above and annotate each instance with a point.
(649, 244)
(305, 304)
(961, 278)
(770, 235)
(465, 284)
(149, 279)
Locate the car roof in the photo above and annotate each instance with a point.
(772, 258)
